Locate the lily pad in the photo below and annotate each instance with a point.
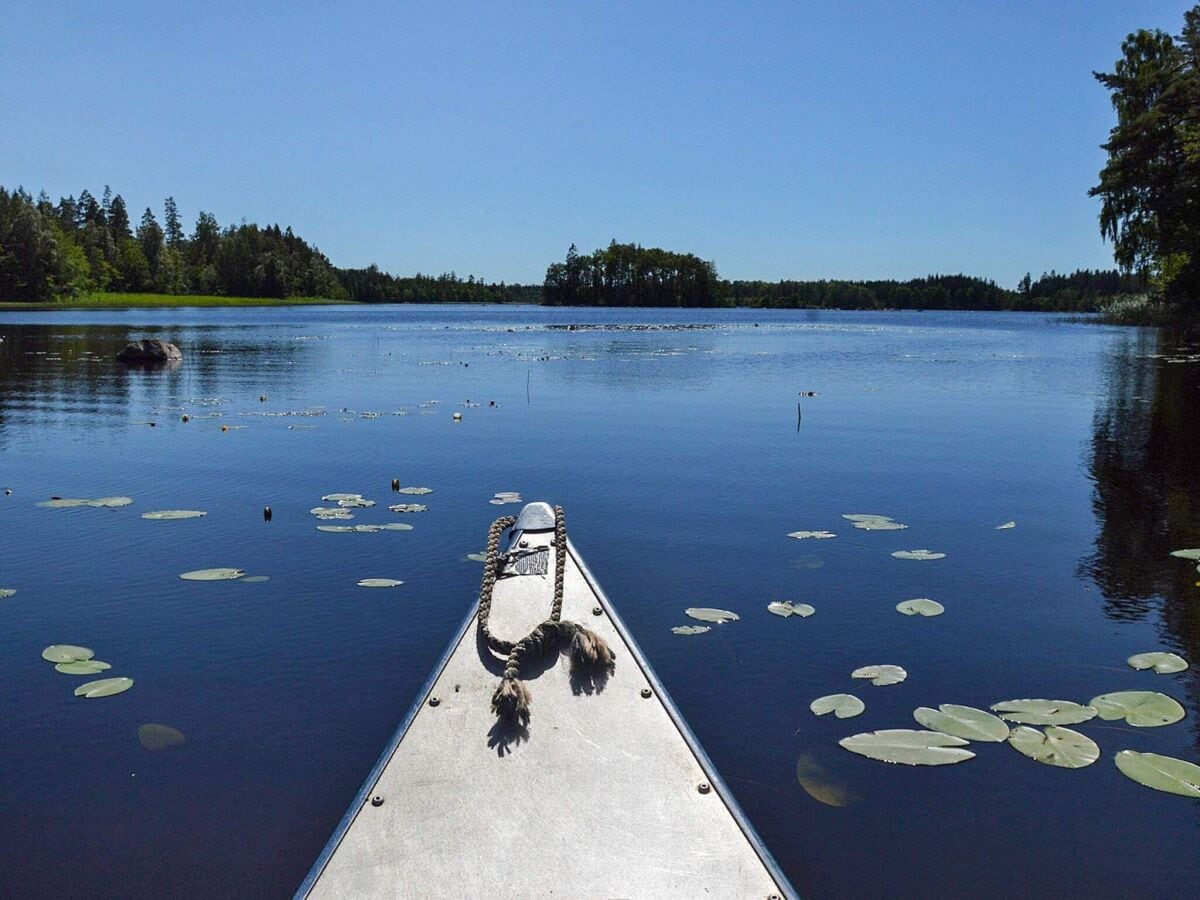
(1162, 662)
(867, 522)
(335, 528)
(379, 582)
(1055, 746)
(909, 747)
(1193, 553)
(395, 526)
(105, 687)
(65, 653)
(1163, 773)
(818, 785)
(64, 503)
(111, 502)
(212, 574)
(476, 557)
(408, 507)
(503, 497)
(159, 737)
(253, 579)
(331, 512)
(706, 614)
(338, 498)
(819, 535)
(691, 629)
(1143, 709)
(1006, 526)
(962, 721)
(844, 706)
(881, 675)
(786, 608)
(355, 503)
(172, 514)
(922, 606)
(1044, 712)
(5, 593)
(82, 667)
(416, 490)
(918, 554)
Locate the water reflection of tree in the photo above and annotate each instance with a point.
(50, 373)
(1145, 464)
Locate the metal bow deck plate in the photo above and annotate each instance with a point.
(605, 794)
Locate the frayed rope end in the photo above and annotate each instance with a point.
(589, 650)
(511, 701)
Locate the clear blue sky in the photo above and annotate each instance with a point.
(782, 140)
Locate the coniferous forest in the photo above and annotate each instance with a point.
(82, 245)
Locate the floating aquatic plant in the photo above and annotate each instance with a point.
(869, 522)
(212, 574)
(881, 675)
(1062, 747)
(331, 512)
(1044, 712)
(909, 747)
(65, 653)
(408, 507)
(1163, 773)
(1160, 661)
(503, 497)
(476, 557)
(1193, 554)
(105, 687)
(5, 593)
(416, 490)
(355, 503)
(337, 498)
(172, 514)
(918, 554)
(379, 582)
(82, 667)
(1006, 526)
(102, 502)
(691, 629)
(804, 535)
(843, 706)
(707, 614)
(921, 606)
(962, 721)
(1143, 709)
(153, 736)
(786, 608)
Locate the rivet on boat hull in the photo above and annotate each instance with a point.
(376, 800)
(596, 611)
(434, 701)
(704, 787)
(646, 693)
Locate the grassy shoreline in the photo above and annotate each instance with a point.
(151, 301)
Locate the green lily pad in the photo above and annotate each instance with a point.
(1163, 773)
(922, 606)
(786, 608)
(64, 503)
(503, 497)
(1044, 712)
(253, 579)
(818, 785)
(212, 574)
(1055, 746)
(337, 498)
(1193, 553)
(843, 706)
(110, 502)
(476, 557)
(395, 526)
(881, 675)
(82, 667)
(1143, 709)
(408, 507)
(819, 535)
(706, 614)
(159, 737)
(5, 593)
(105, 687)
(909, 747)
(65, 653)
(691, 629)
(918, 554)
(1162, 662)
(962, 721)
(379, 582)
(331, 512)
(355, 503)
(867, 522)
(173, 514)
(335, 529)
(1006, 526)
(416, 490)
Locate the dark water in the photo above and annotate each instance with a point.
(676, 453)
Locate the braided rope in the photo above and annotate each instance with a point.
(511, 699)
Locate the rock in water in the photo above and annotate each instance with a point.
(150, 352)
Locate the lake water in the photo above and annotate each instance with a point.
(671, 437)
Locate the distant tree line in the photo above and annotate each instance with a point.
(370, 285)
(631, 275)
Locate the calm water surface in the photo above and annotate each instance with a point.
(676, 451)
